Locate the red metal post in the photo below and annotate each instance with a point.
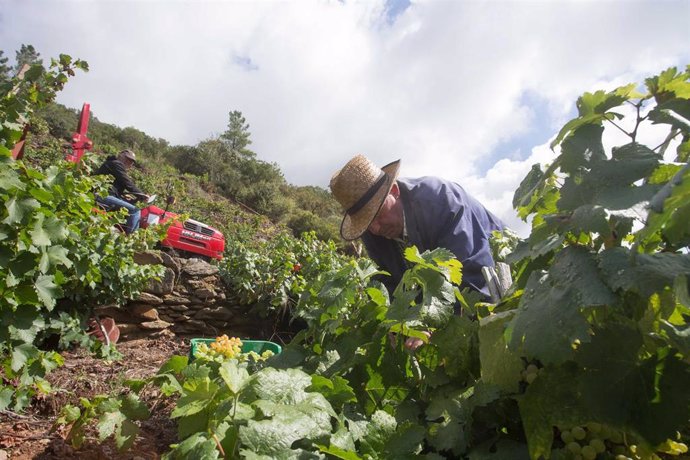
(18, 149)
(80, 142)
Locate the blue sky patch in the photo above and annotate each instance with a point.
(519, 146)
(245, 62)
(395, 8)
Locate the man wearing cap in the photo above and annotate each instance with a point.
(117, 167)
(391, 213)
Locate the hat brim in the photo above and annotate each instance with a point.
(354, 225)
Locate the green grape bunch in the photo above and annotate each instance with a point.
(594, 440)
(225, 348)
(530, 373)
(254, 356)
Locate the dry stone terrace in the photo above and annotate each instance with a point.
(189, 300)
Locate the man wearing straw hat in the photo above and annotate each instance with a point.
(391, 213)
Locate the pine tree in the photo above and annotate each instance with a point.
(5, 70)
(27, 54)
(236, 137)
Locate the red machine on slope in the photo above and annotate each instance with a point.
(189, 238)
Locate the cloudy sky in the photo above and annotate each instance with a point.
(468, 90)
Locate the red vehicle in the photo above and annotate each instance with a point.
(189, 238)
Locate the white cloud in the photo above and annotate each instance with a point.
(442, 87)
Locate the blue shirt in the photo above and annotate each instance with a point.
(438, 214)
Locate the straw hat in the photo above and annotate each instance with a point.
(361, 188)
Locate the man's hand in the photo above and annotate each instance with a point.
(412, 343)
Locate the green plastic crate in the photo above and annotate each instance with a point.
(258, 346)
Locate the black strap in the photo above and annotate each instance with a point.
(368, 195)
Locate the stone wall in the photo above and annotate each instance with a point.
(189, 300)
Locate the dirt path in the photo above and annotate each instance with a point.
(30, 435)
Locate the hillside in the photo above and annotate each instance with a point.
(216, 181)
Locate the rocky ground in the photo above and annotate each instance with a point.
(31, 435)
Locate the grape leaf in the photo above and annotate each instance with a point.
(456, 407)
(235, 377)
(337, 452)
(551, 399)
(48, 292)
(660, 83)
(549, 317)
(448, 435)
(526, 189)
(285, 386)
(384, 383)
(618, 388)
(168, 384)
(187, 425)
(43, 195)
(198, 446)
(610, 361)
(174, 365)
(457, 346)
(542, 241)
(642, 273)
(504, 449)
(39, 236)
(342, 438)
(21, 354)
(336, 389)
(287, 423)
(228, 434)
(450, 411)
(589, 218)
(611, 183)
(374, 434)
(438, 298)
(581, 148)
(6, 394)
(26, 323)
(671, 206)
(55, 228)
(18, 208)
(574, 124)
(198, 394)
(500, 365)
(602, 101)
(406, 442)
(133, 408)
(660, 416)
(9, 180)
(108, 422)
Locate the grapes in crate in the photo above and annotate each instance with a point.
(224, 348)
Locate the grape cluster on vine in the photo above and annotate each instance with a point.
(530, 373)
(589, 441)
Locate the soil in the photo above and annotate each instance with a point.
(30, 435)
